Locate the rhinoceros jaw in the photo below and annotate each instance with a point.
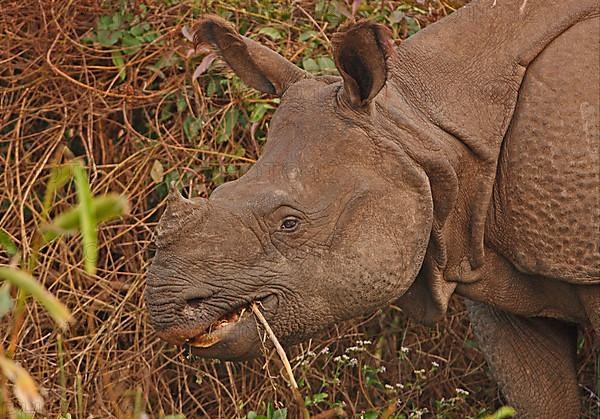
(208, 338)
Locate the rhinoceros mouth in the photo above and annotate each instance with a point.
(210, 335)
(225, 326)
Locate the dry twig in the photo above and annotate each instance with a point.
(284, 359)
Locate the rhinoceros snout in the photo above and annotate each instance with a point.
(167, 299)
(171, 314)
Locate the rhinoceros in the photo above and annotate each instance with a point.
(463, 161)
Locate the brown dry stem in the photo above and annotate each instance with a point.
(284, 359)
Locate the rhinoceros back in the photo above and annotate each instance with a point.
(545, 215)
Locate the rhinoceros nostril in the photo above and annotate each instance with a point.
(194, 297)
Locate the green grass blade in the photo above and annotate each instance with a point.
(105, 208)
(7, 243)
(87, 219)
(25, 389)
(22, 280)
(59, 176)
(504, 412)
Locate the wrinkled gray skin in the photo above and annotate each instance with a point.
(464, 161)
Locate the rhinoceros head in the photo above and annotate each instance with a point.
(331, 223)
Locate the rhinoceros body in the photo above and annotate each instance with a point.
(464, 161)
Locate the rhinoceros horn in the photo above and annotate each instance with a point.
(177, 214)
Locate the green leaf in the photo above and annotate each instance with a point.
(259, 111)
(150, 36)
(117, 20)
(166, 113)
(108, 38)
(305, 36)
(502, 413)
(132, 43)
(240, 151)
(319, 397)
(104, 22)
(231, 169)
(7, 243)
(27, 283)
(272, 33)
(280, 414)
(59, 176)
(211, 87)
(6, 302)
(228, 123)
(117, 59)
(412, 24)
(137, 30)
(371, 414)
(105, 208)
(326, 65)
(87, 219)
(181, 103)
(191, 127)
(310, 65)
(396, 16)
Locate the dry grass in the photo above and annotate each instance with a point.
(57, 90)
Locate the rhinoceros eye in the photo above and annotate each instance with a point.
(289, 224)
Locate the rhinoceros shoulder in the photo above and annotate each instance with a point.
(545, 215)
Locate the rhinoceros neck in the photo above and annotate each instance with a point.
(453, 88)
(465, 71)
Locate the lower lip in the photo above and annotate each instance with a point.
(215, 336)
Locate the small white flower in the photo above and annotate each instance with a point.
(325, 350)
(341, 359)
(435, 364)
(462, 392)
(404, 349)
(382, 369)
(388, 387)
(399, 386)
(418, 413)
(353, 362)
(311, 354)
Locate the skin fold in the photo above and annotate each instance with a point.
(464, 161)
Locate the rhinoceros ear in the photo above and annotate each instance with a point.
(257, 65)
(361, 52)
